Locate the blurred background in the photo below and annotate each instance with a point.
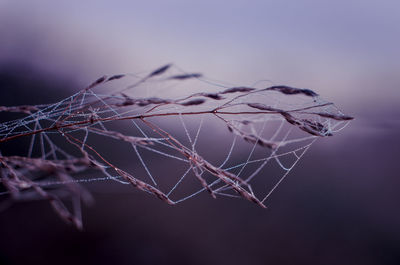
(338, 206)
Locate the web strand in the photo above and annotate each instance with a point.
(185, 135)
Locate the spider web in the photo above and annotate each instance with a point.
(169, 133)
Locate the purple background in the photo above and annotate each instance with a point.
(338, 206)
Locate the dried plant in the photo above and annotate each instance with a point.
(277, 122)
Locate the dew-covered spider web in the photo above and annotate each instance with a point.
(168, 133)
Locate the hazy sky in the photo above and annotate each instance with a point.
(345, 50)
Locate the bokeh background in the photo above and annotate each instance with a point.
(338, 206)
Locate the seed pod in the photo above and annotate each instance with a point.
(238, 89)
(292, 90)
(193, 102)
(114, 77)
(185, 76)
(160, 70)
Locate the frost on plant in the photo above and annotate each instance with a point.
(168, 133)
